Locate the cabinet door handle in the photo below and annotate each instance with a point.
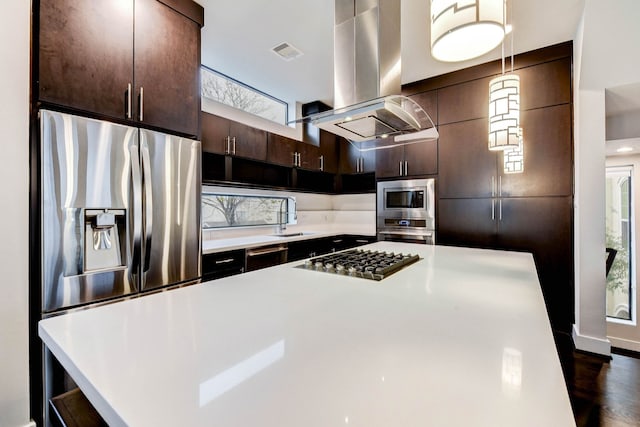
(493, 186)
(500, 209)
(129, 101)
(406, 167)
(233, 139)
(224, 261)
(227, 141)
(322, 162)
(500, 185)
(400, 172)
(493, 209)
(141, 103)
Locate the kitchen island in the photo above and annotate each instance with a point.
(459, 338)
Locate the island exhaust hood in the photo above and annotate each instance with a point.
(367, 68)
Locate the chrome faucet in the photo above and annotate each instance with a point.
(282, 218)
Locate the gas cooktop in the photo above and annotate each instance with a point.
(374, 265)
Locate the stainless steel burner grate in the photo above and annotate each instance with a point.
(374, 265)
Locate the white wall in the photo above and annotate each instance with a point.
(14, 191)
(605, 56)
(590, 329)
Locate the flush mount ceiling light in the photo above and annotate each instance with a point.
(465, 29)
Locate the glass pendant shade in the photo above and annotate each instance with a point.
(504, 112)
(514, 157)
(465, 29)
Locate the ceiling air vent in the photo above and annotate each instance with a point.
(287, 52)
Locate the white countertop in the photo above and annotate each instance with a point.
(460, 338)
(252, 241)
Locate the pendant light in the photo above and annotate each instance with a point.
(513, 161)
(504, 108)
(465, 29)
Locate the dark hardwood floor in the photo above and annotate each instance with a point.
(603, 392)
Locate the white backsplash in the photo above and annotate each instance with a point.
(354, 213)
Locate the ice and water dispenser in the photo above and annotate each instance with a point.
(104, 239)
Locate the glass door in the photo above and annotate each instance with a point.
(619, 242)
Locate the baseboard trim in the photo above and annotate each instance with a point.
(625, 344)
(591, 344)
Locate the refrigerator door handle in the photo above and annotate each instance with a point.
(148, 202)
(137, 207)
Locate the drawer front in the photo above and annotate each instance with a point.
(222, 264)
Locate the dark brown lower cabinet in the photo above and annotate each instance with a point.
(540, 225)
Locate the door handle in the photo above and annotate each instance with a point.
(224, 261)
(233, 140)
(136, 178)
(148, 202)
(141, 103)
(322, 162)
(406, 167)
(267, 251)
(500, 209)
(493, 186)
(400, 163)
(493, 209)
(500, 186)
(129, 101)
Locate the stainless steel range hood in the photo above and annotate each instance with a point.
(367, 68)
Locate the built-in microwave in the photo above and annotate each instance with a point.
(405, 210)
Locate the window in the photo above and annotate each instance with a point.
(226, 90)
(233, 210)
(619, 236)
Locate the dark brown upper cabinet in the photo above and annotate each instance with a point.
(468, 169)
(289, 152)
(282, 150)
(420, 158)
(309, 156)
(134, 60)
(466, 166)
(548, 155)
(329, 150)
(352, 160)
(465, 101)
(167, 67)
(553, 76)
(224, 136)
(429, 103)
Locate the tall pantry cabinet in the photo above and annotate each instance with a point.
(479, 205)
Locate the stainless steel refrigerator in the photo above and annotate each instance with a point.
(120, 210)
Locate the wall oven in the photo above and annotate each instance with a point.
(405, 211)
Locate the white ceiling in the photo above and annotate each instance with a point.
(238, 37)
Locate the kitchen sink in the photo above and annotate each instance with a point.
(300, 233)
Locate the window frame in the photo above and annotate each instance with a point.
(291, 210)
(204, 69)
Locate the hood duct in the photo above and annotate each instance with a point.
(367, 77)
